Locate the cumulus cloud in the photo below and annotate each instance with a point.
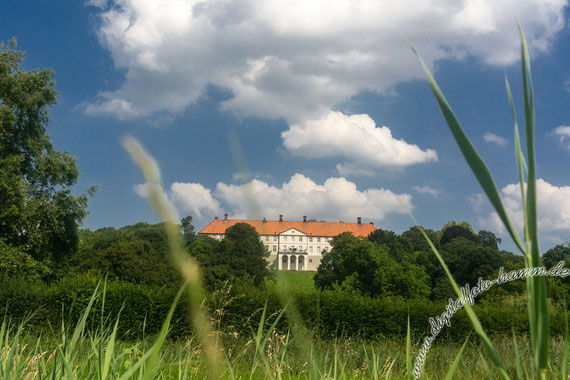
(191, 197)
(296, 59)
(494, 139)
(563, 132)
(195, 198)
(335, 199)
(553, 209)
(427, 190)
(356, 138)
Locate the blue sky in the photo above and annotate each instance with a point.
(330, 106)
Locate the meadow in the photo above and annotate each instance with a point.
(85, 322)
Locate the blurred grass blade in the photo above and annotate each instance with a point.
(389, 371)
(473, 159)
(518, 365)
(409, 350)
(455, 363)
(539, 309)
(468, 309)
(187, 265)
(521, 167)
(109, 349)
(80, 327)
(566, 345)
(486, 366)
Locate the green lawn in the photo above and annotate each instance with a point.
(296, 281)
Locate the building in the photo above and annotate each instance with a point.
(296, 245)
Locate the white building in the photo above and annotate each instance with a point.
(297, 245)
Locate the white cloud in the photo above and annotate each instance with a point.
(195, 198)
(553, 209)
(563, 132)
(336, 199)
(192, 197)
(356, 138)
(296, 59)
(427, 190)
(494, 139)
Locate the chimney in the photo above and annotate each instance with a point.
(280, 218)
(372, 223)
(215, 218)
(225, 217)
(264, 220)
(359, 220)
(305, 219)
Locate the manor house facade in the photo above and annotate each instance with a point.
(298, 246)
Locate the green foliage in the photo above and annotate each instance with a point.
(454, 232)
(39, 214)
(398, 247)
(239, 254)
(188, 233)
(15, 263)
(489, 239)
(136, 262)
(357, 264)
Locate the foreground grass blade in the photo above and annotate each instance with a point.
(521, 166)
(409, 351)
(455, 363)
(539, 310)
(473, 159)
(468, 309)
(566, 344)
(518, 365)
(187, 265)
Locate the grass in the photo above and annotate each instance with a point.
(296, 282)
(81, 353)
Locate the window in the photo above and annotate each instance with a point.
(274, 238)
(300, 238)
(284, 238)
(318, 249)
(310, 240)
(284, 247)
(300, 248)
(274, 248)
(318, 240)
(310, 260)
(310, 249)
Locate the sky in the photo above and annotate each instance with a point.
(325, 101)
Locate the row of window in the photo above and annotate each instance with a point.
(300, 249)
(300, 238)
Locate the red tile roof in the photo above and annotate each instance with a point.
(273, 227)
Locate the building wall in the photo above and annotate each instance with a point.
(293, 244)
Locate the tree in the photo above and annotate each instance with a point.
(398, 250)
(188, 233)
(39, 214)
(455, 231)
(136, 262)
(239, 255)
(358, 264)
(415, 240)
(489, 239)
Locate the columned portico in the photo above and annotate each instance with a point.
(283, 263)
(301, 262)
(293, 262)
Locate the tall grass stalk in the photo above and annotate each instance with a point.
(187, 265)
(536, 286)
